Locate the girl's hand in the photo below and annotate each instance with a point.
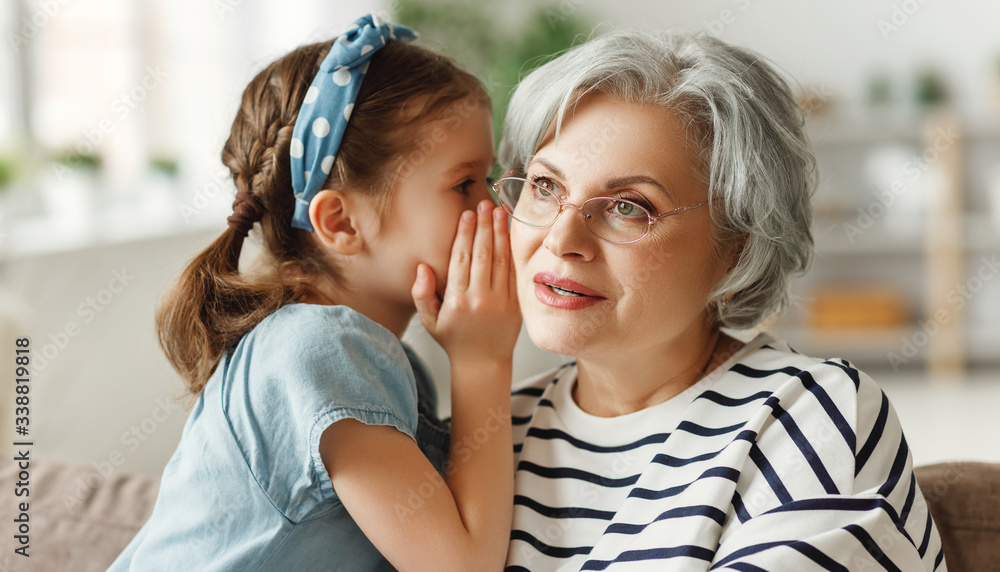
(479, 318)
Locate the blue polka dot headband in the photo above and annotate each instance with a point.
(327, 107)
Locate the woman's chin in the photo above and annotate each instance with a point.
(558, 337)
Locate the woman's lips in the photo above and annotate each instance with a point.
(563, 293)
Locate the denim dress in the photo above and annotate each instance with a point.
(246, 488)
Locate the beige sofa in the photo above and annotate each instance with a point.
(81, 519)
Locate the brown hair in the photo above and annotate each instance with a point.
(212, 305)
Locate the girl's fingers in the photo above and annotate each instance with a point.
(482, 247)
(512, 284)
(461, 253)
(425, 297)
(501, 252)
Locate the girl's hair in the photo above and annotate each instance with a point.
(746, 130)
(212, 305)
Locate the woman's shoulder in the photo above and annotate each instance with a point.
(773, 361)
(802, 387)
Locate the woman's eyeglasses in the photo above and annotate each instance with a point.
(538, 203)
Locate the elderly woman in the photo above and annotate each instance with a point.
(659, 191)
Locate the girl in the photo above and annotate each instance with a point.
(303, 449)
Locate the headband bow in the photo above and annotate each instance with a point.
(327, 107)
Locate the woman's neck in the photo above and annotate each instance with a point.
(633, 379)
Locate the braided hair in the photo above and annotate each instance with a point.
(212, 305)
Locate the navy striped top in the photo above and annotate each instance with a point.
(773, 461)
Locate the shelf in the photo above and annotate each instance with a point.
(863, 347)
(842, 236)
(873, 129)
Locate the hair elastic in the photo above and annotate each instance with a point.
(327, 107)
(247, 210)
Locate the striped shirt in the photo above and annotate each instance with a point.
(774, 461)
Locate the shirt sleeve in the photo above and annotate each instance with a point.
(877, 521)
(306, 369)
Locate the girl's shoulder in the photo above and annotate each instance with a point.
(324, 352)
(311, 329)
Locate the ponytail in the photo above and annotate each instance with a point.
(210, 307)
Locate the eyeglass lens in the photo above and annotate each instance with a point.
(615, 220)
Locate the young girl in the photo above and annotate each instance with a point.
(359, 158)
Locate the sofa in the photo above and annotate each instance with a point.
(80, 519)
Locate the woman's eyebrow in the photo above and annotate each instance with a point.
(550, 167)
(613, 183)
(637, 180)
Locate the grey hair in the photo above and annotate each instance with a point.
(748, 136)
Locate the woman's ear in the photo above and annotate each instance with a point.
(336, 222)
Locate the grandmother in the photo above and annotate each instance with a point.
(659, 193)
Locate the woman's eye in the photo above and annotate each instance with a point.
(546, 188)
(623, 208)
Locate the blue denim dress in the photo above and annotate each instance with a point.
(246, 488)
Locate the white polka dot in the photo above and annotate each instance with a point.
(342, 76)
(306, 176)
(364, 68)
(321, 127)
(366, 49)
(296, 150)
(327, 164)
(347, 111)
(312, 94)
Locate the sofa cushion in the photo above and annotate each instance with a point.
(964, 499)
(79, 518)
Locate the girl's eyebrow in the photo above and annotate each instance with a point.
(613, 183)
(469, 165)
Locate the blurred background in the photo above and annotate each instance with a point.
(113, 114)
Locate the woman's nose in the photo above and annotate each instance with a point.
(569, 237)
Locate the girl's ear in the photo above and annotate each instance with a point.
(336, 222)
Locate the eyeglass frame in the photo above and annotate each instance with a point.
(650, 217)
